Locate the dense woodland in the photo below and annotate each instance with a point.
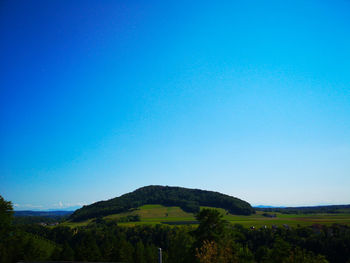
(189, 200)
(214, 240)
(329, 209)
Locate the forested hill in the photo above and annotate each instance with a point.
(189, 200)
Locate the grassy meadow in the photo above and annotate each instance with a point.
(158, 214)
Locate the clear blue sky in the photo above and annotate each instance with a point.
(249, 98)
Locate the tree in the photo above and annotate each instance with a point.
(229, 252)
(6, 217)
(6, 212)
(140, 253)
(126, 251)
(211, 245)
(208, 252)
(280, 251)
(211, 226)
(151, 253)
(181, 244)
(67, 252)
(301, 255)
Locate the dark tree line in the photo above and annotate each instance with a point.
(214, 240)
(189, 200)
(329, 209)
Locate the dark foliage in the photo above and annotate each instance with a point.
(107, 242)
(189, 200)
(211, 227)
(329, 209)
(6, 214)
(212, 241)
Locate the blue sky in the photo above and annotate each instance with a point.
(249, 98)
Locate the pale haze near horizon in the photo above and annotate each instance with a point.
(99, 98)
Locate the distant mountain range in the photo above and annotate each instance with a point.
(268, 206)
(43, 213)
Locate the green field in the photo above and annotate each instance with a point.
(158, 214)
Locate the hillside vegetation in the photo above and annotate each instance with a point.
(189, 200)
(329, 209)
(210, 238)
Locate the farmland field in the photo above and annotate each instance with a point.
(158, 214)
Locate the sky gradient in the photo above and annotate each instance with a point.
(249, 98)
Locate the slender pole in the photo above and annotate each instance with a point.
(159, 255)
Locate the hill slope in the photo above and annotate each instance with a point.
(189, 200)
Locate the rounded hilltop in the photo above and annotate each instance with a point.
(189, 200)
